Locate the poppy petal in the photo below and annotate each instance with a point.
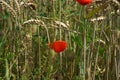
(58, 46)
(84, 2)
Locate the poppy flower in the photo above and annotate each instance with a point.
(58, 46)
(84, 2)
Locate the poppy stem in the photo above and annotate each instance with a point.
(84, 43)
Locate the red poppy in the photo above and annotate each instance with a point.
(58, 46)
(84, 2)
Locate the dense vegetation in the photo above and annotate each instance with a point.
(92, 33)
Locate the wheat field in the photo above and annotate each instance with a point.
(92, 33)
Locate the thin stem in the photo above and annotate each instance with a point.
(60, 34)
(84, 46)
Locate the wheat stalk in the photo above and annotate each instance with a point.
(17, 6)
(34, 21)
(9, 7)
(38, 22)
